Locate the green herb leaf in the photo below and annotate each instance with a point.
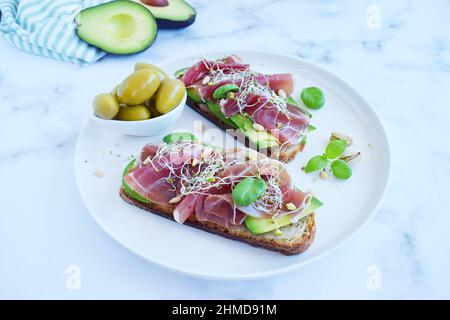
(179, 137)
(341, 170)
(335, 148)
(311, 128)
(313, 97)
(248, 191)
(316, 163)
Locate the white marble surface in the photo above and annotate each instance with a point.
(402, 68)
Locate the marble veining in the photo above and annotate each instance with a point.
(400, 62)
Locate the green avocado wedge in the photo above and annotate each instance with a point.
(120, 27)
(263, 139)
(260, 226)
(170, 14)
(179, 137)
(215, 109)
(193, 94)
(222, 91)
(132, 193)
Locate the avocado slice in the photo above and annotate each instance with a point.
(260, 225)
(263, 139)
(194, 95)
(222, 91)
(170, 14)
(130, 191)
(215, 109)
(179, 137)
(120, 27)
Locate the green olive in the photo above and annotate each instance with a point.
(133, 113)
(105, 106)
(151, 106)
(169, 95)
(142, 65)
(138, 87)
(114, 91)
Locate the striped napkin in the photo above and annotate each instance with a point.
(47, 28)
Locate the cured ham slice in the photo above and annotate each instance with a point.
(202, 68)
(219, 209)
(298, 198)
(151, 184)
(148, 151)
(286, 127)
(186, 207)
(283, 81)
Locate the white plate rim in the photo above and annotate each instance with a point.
(281, 270)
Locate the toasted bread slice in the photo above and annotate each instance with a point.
(295, 239)
(285, 154)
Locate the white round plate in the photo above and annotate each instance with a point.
(348, 206)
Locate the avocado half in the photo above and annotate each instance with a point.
(170, 14)
(120, 27)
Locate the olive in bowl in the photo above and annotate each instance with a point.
(149, 127)
(146, 103)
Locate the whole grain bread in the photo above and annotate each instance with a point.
(295, 238)
(285, 154)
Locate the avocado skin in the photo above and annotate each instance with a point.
(171, 24)
(165, 22)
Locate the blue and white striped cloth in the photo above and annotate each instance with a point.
(47, 28)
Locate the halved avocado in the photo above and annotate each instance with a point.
(170, 14)
(120, 27)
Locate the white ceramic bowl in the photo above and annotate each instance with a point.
(144, 128)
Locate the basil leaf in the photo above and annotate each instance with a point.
(316, 163)
(341, 170)
(248, 191)
(335, 148)
(313, 97)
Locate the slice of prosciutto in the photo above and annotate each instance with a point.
(288, 127)
(219, 209)
(148, 152)
(298, 198)
(202, 68)
(186, 207)
(152, 184)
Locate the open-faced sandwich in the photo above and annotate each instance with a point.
(257, 106)
(238, 193)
